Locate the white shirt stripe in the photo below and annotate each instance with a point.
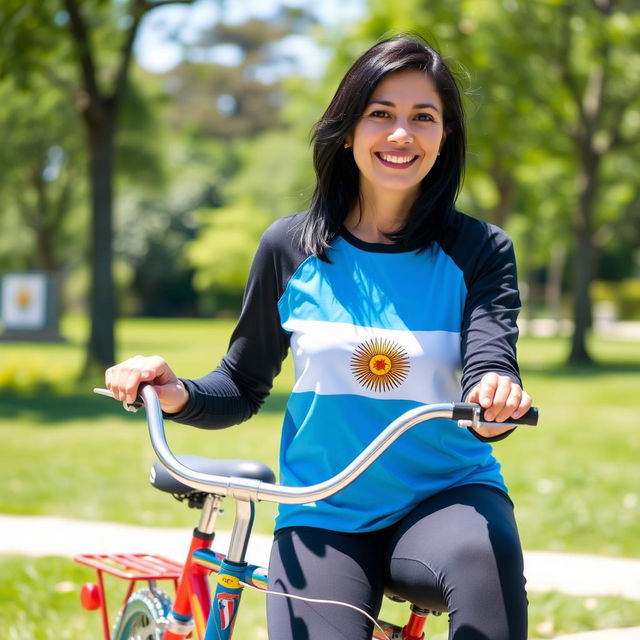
(337, 358)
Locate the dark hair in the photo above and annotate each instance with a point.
(337, 177)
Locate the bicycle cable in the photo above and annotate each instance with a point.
(320, 601)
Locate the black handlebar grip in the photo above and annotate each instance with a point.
(138, 402)
(466, 410)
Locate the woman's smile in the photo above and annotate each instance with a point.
(396, 160)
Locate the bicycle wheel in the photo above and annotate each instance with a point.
(144, 617)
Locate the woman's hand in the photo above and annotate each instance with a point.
(501, 398)
(123, 380)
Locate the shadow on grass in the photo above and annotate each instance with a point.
(594, 370)
(48, 408)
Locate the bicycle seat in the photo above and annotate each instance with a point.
(161, 479)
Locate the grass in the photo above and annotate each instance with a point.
(39, 600)
(575, 480)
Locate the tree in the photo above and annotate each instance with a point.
(98, 36)
(39, 167)
(246, 107)
(560, 87)
(256, 195)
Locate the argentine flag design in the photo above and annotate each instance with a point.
(374, 333)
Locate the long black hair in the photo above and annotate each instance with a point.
(337, 177)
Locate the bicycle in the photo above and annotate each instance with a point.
(150, 614)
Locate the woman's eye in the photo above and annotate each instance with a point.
(424, 117)
(378, 113)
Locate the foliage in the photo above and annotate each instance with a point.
(43, 171)
(95, 41)
(272, 181)
(40, 165)
(623, 295)
(224, 247)
(267, 169)
(209, 153)
(553, 107)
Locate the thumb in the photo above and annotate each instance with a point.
(172, 395)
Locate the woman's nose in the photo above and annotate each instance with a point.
(400, 135)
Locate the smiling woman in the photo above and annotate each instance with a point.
(395, 145)
(388, 298)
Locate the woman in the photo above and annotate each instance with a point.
(383, 292)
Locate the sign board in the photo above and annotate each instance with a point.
(29, 306)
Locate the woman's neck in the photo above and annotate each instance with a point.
(376, 215)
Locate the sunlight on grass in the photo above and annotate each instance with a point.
(39, 600)
(575, 479)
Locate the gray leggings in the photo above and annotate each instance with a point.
(458, 551)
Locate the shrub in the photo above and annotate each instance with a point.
(624, 295)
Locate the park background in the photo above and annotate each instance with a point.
(147, 145)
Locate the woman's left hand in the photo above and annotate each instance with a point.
(501, 398)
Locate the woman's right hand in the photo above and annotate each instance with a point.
(124, 379)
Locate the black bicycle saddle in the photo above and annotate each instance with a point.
(161, 479)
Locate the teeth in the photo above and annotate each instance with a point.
(396, 159)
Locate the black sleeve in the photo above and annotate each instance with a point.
(489, 330)
(237, 388)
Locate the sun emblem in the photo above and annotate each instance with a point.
(23, 298)
(380, 365)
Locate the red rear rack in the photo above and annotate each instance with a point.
(131, 567)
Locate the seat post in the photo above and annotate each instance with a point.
(210, 509)
(245, 510)
(414, 629)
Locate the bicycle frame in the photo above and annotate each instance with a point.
(213, 617)
(191, 606)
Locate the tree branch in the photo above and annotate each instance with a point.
(161, 3)
(62, 204)
(28, 214)
(42, 201)
(80, 36)
(604, 6)
(138, 9)
(58, 81)
(566, 41)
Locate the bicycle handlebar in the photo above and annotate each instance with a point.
(466, 415)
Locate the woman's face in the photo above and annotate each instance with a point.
(398, 137)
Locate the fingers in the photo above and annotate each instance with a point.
(500, 397)
(124, 379)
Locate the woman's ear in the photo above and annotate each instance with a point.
(442, 140)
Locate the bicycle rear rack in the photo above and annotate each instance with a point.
(131, 567)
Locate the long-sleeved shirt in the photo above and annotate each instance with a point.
(374, 330)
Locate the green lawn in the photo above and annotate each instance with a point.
(575, 479)
(39, 601)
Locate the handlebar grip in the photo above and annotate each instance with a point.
(137, 403)
(467, 411)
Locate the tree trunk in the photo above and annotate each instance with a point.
(45, 259)
(101, 344)
(553, 286)
(583, 264)
(579, 353)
